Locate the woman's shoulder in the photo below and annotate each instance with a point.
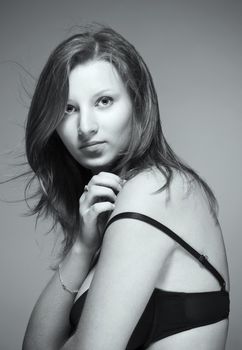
(153, 178)
(144, 193)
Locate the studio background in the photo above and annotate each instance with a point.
(194, 52)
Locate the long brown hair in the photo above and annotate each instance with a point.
(60, 177)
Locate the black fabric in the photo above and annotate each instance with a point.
(166, 312)
(201, 258)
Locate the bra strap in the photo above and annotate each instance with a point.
(200, 257)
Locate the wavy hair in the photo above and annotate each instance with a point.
(61, 178)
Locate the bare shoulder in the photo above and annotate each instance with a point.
(144, 193)
(183, 206)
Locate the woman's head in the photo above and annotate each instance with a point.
(96, 128)
(96, 43)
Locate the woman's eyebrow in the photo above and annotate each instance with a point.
(102, 92)
(71, 100)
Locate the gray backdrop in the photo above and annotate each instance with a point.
(194, 52)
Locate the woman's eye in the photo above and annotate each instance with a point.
(70, 109)
(104, 101)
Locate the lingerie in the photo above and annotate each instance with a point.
(169, 312)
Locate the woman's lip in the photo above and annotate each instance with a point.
(87, 145)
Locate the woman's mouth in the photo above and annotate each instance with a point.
(92, 146)
(89, 144)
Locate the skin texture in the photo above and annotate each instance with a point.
(101, 109)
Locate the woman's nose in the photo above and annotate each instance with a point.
(87, 124)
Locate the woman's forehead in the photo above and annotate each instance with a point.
(94, 76)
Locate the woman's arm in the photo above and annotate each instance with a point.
(132, 256)
(48, 326)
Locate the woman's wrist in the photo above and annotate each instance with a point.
(76, 265)
(80, 249)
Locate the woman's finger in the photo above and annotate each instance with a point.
(106, 179)
(98, 193)
(101, 207)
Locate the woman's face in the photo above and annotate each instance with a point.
(96, 127)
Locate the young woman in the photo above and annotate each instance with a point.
(143, 263)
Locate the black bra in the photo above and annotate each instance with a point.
(168, 313)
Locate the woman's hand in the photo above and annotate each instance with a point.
(96, 205)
